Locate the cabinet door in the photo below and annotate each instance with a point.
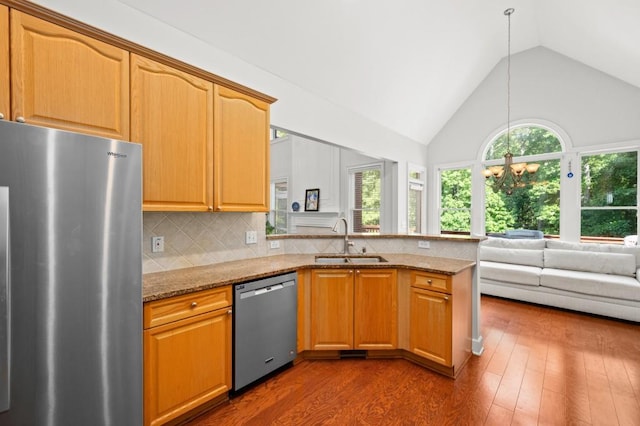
(187, 363)
(331, 309)
(172, 116)
(4, 62)
(63, 79)
(376, 309)
(430, 335)
(241, 152)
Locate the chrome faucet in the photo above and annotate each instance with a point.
(347, 243)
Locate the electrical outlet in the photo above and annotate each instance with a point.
(424, 244)
(251, 237)
(157, 244)
(274, 244)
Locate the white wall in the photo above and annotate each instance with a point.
(296, 109)
(593, 111)
(593, 108)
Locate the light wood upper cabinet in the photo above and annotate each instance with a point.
(4, 63)
(172, 116)
(241, 152)
(376, 309)
(66, 80)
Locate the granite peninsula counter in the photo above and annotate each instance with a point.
(160, 285)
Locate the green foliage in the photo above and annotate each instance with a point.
(371, 180)
(608, 180)
(536, 205)
(608, 223)
(456, 200)
(525, 140)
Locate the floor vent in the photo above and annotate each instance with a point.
(353, 354)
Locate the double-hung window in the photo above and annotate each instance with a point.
(365, 198)
(609, 206)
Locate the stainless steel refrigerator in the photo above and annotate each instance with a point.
(70, 279)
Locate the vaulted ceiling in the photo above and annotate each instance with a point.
(406, 64)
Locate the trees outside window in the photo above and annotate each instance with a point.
(455, 200)
(365, 198)
(609, 201)
(536, 205)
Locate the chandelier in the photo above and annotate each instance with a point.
(510, 176)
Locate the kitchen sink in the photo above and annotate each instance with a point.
(349, 259)
(366, 259)
(324, 259)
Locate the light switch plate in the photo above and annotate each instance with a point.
(424, 244)
(274, 244)
(251, 237)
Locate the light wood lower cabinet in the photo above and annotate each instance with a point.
(375, 309)
(440, 318)
(187, 353)
(431, 325)
(353, 309)
(331, 309)
(4, 63)
(66, 80)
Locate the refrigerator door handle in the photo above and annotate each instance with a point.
(5, 301)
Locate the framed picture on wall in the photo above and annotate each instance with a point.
(312, 200)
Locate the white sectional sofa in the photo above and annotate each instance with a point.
(595, 278)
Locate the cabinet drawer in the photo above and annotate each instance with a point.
(176, 308)
(429, 281)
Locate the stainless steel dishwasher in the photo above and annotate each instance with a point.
(264, 327)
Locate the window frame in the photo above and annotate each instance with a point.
(422, 182)
(273, 211)
(578, 175)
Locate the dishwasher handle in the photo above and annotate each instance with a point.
(265, 290)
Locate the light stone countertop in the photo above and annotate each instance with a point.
(161, 285)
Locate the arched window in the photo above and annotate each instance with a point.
(524, 140)
(535, 203)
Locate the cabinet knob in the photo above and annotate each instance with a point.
(358, 271)
(210, 208)
(446, 298)
(429, 282)
(20, 119)
(1, 116)
(194, 304)
(230, 311)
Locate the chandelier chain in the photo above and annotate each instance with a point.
(508, 12)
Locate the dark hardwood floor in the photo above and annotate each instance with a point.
(540, 366)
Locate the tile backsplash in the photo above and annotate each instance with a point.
(194, 239)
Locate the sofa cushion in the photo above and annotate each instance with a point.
(514, 244)
(506, 272)
(565, 245)
(605, 285)
(595, 247)
(515, 256)
(588, 261)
